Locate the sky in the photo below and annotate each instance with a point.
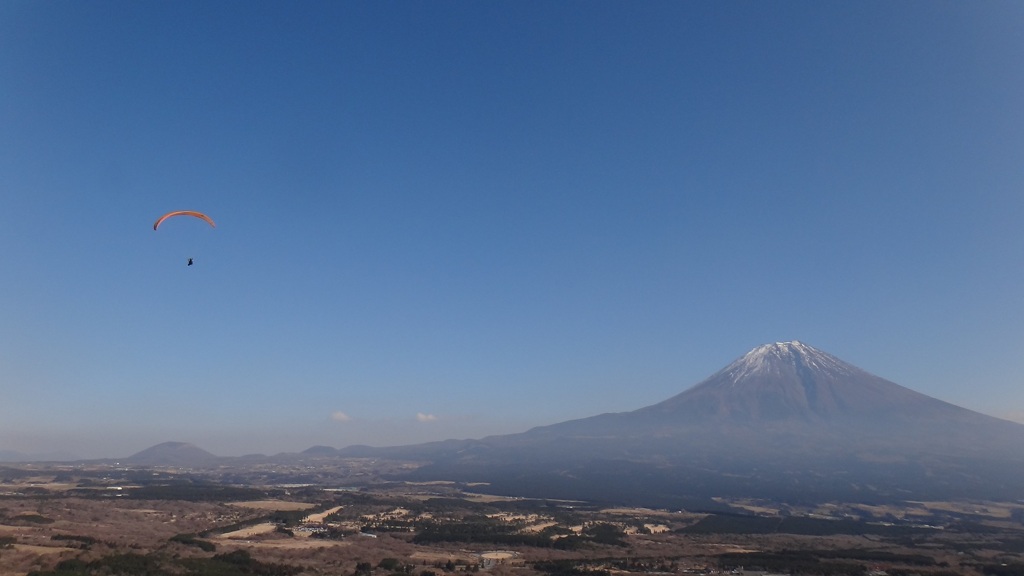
(453, 219)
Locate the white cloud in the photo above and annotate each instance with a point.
(425, 417)
(340, 416)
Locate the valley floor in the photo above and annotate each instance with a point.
(91, 521)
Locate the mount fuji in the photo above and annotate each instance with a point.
(785, 421)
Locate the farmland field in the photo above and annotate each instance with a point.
(97, 520)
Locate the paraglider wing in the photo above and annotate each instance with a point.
(183, 213)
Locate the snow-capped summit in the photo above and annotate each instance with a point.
(775, 357)
(797, 382)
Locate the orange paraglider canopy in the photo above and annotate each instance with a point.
(183, 213)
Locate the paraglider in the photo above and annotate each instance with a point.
(192, 213)
(183, 213)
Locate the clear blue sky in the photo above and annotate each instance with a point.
(454, 219)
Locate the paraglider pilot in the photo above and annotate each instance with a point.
(189, 261)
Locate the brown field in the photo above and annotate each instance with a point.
(319, 518)
(995, 510)
(636, 511)
(297, 544)
(273, 505)
(476, 497)
(753, 506)
(539, 527)
(45, 526)
(439, 556)
(250, 532)
(35, 550)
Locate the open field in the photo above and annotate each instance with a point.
(320, 517)
(176, 520)
(993, 510)
(250, 532)
(273, 505)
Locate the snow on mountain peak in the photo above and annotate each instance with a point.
(770, 358)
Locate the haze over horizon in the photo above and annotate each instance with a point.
(454, 220)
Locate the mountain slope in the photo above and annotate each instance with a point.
(784, 418)
(172, 454)
(789, 392)
(791, 380)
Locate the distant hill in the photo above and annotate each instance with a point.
(320, 451)
(785, 420)
(172, 454)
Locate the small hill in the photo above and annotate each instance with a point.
(320, 451)
(173, 454)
